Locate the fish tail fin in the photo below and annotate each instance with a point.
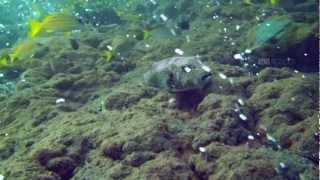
(3, 62)
(146, 34)
(11, 58)
(35, 28)
(274, 2)
(248, 2)
(109, 55)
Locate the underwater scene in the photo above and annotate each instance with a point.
(159, 90)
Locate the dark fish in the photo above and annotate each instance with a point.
(74, 44)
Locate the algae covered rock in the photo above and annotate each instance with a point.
(113, 150)
(123, 99)
(261, 164)
(287, 108)
(223, 121)
(169, 168)
(138, 158)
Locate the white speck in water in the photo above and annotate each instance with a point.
(293, 99)
(153, 2)
(6, 134)
(240, 101)
(60, 100)
(76, 31)
(238, 57)
(1, 75)
(109, 47)
(257, 18)
(282, 165)
(163, 17)
(173, 32)
(303, 76)
(127, 35)
(188, 38)
(268, 24)
(171, 100)
(243, 117)
(187, 69)
(1, 177)
(248, 51)
(215, 17)
(179, 51)
(296, 71)
(233, 43)
(7, 44)
(147, 45)
(250, 137)
(202, 149)
(225, 30)
(222, 76)
(231, 80)
(305, 54)
(270, 138)
(237, 27)
(206, 68)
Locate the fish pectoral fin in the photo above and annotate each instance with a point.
(108, 55)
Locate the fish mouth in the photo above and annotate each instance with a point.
(206, 77)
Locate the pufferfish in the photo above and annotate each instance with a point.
(179, 74)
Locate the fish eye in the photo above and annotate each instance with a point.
(187, 69)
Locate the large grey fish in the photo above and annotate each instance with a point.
(179, 74)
